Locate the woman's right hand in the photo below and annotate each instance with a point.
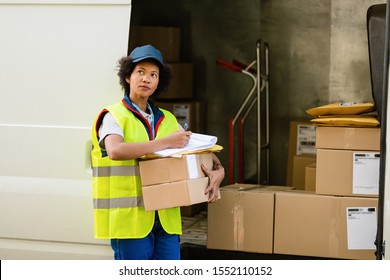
(178, 139)
(117, 149)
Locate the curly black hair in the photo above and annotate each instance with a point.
(126, 67)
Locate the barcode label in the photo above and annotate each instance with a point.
(306, 139)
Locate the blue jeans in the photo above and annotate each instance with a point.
(157, 245)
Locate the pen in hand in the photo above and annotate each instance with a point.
(185, 127)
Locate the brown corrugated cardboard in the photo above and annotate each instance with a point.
(242, 220)
(171, 169)
(175, 194)
(348, 138)
(301, 142)
(299, 169)
(317, 225)
(166, 39)
(191, 112)
(347, 172)
(181, 85)
(310, 177)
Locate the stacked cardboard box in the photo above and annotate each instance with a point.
(301, 152)
(325, 226)
(332, 211)
(174, 182)
(279, 220)
(310, 177)
(243, 220)
(167, 40)
(187, 111)
(338, 219)
(348, 161)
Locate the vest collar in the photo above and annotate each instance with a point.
(158, 116)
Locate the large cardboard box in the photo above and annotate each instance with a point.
(181, 85)
(191, 112)
(302, 142)
(347, 172)
(171, 169)
(348, 138)
(243, 219)
(166, 39)
(299, 170)
(175, 194)
(325, 226)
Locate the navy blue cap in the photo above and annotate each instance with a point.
(146, 52)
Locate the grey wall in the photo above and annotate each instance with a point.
(318, 55)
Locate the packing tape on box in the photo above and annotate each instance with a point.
(238, 225)
(192, 167)
(334, 238)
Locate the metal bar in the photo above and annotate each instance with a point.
(266, 82)
(231, 152)
(258, 46)
(242, 120)
(241, 150)
(260, 82)
(232, 124)
(383, 168)
(247, 99)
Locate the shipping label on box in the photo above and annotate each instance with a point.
(361, 228)
(306, 139)
(365, 173)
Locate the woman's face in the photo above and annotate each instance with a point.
(144, 79)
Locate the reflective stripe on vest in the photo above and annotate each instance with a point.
(117, 192)
(122, 202)
(104, 171)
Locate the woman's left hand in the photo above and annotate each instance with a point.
(215, 178)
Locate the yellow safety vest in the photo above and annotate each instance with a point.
(117, 194)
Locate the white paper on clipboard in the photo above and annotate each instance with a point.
(361, 228)
(365, 173)
(197, 142)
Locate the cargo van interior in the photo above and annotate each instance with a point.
(248, 72)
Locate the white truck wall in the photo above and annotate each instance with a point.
(57, 71)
